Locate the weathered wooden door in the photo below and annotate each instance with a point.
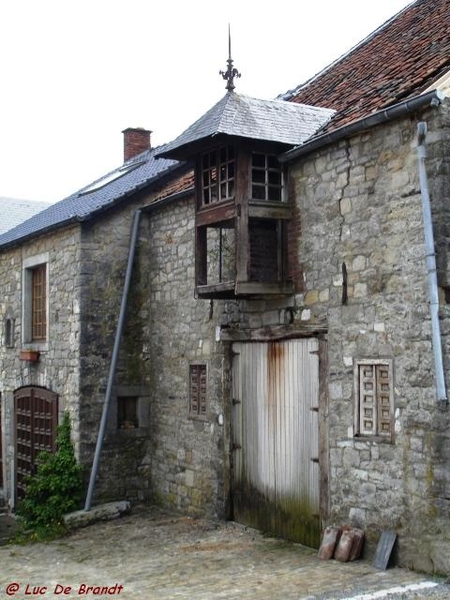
(275, 448)
(36, 412)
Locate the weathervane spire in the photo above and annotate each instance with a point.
(231, 73)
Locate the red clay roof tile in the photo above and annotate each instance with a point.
(399, 60)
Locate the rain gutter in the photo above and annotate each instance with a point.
(433, 98)
(441, 394)
(114, 358)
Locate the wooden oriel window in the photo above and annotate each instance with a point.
(218, 175)
(198, 403)
(374, 398)
(39, 303)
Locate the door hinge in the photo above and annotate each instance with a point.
(236, 401)
(236, 447)
(316, 352)
(314, 408)
(315, 460)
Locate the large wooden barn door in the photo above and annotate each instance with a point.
(275, 448)
(36, 411)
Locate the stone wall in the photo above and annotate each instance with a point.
(189, 456)
(359, 203)
(58, 366)
(164, 456)
(369, 192)
(105, 245)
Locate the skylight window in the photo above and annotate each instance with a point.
(110, 178)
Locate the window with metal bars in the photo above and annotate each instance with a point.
(39, 303)
(374, 399)
(218, 168)
(198, 401)
(267, 178)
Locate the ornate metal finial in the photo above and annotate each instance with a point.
(230, 74)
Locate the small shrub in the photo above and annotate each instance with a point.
(55, 489)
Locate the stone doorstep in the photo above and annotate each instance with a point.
(103, 512)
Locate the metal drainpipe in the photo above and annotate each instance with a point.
(113, 364)
(431, 266)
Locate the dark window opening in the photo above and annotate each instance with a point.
(265, 249)
(198, 405)
(127, 414)
(9, 333)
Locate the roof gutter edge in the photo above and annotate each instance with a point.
(432, 98)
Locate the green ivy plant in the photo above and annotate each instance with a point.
(54, 490)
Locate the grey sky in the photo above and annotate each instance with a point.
(76, 73)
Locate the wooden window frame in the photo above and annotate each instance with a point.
(374, 399)
(218, 176)
(198, 397)
(35, 301)
(38, 303)
(266, 170)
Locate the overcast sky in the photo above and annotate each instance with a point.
(74, 74)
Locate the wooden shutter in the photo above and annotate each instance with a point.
(367, 400)
(197, 391)
(374, 398)
(383, 400)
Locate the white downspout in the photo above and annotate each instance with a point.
(431, 266)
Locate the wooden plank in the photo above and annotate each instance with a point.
(216, 213)
(269, 212)
(384, 549)
(272, 333)
(224, 289)
(254, 287)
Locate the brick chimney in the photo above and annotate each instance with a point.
(135, 141)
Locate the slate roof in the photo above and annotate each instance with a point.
(399, 60)
(14, 211)
(142, 170)
(242, 116)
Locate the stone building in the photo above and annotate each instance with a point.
(285, 346)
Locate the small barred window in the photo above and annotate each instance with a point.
(198, 404)
(374, 398)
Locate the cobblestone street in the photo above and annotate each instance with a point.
(151, 554)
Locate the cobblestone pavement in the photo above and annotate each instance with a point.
(151, 554)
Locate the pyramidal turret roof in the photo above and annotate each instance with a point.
(241, 116)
